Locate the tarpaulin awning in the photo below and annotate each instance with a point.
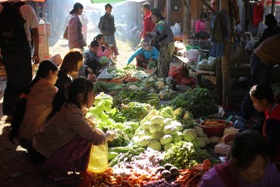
(113, 1)
(42, 1)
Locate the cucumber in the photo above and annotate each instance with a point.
(112, 155)
(120, 149)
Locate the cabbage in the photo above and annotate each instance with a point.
(170, 129)
(188, 116)
(166, 139)
(133, 87)
(155, 128)
(178, 113)
(156, 135)
(156, 120)
(144, 141)
(160, 85)
(178, 125)
(214, 139)
(167, 112)
(103, 60)
(200, 142)
(155, 145)
(167, 146)
(146, 125)
(167, 121)
(206, 140)
(189, 135)
(177, 137)
(199, 131)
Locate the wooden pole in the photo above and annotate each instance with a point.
(226, 74)
(273, 7)
(186, 21)
(155, 3)
(168, 11)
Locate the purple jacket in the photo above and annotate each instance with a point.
(271, 178)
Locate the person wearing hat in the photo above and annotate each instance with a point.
(201, 26)
(145, 56)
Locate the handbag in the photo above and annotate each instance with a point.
(65, 34)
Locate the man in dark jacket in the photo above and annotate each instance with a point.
(107, 26)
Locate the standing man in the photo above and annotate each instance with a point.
(148, 24)
(107, 27)
(18, 62)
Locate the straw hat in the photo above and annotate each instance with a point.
(56, 59)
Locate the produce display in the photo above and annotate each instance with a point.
(155, 145)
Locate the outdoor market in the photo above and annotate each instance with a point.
(140, 93)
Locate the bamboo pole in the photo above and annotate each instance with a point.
(226, 74)
(186, 21)
(168, 11)
(273, 7)
(155, 3)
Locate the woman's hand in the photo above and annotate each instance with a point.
(110, 136)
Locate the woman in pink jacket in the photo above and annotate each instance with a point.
(75, 35)
(104, 48)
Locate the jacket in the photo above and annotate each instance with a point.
(38, 107)
(75, 35)
(148, 24)
(107, 25)
(153, 54)
(163, 32)
(62, 127)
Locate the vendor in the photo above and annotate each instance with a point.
(63, 143)
(201, 30)
(146, 56)
(248, 165)
(263, 101)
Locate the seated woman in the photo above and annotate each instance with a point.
(145, 56)
(248, 165)
(63, 143)
(92, 62)
(35, 104)
(104, 48)
(263, 100)
(201, 27)
(69, 68)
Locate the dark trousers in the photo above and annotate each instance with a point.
(261, 74)
(19, 74)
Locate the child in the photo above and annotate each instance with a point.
(35, 104)
(263, 100)
(144, 55)
(63, 143)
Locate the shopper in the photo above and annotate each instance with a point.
(248, 165)
(63, 143)
(107, 27)
(35, 104)
(263, 100)
(69, 68)
(104, 48)
(165, 37)
(146, 56)
(148, 24)
(17, 63)
(75, 35)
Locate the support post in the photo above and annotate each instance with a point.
(186, 21)
(226, 74)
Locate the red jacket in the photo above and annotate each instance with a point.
(271, 132)
(148, 25)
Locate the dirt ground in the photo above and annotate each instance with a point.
(15, 168)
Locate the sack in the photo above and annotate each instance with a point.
(65, 34)
(12, 31)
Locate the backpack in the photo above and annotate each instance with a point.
(12, 31)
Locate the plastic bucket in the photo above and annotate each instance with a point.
(98, 161)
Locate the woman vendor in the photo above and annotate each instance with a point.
(165, 37)
(263, 100)
(63, 143)
(248, 165)
(144, 56)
